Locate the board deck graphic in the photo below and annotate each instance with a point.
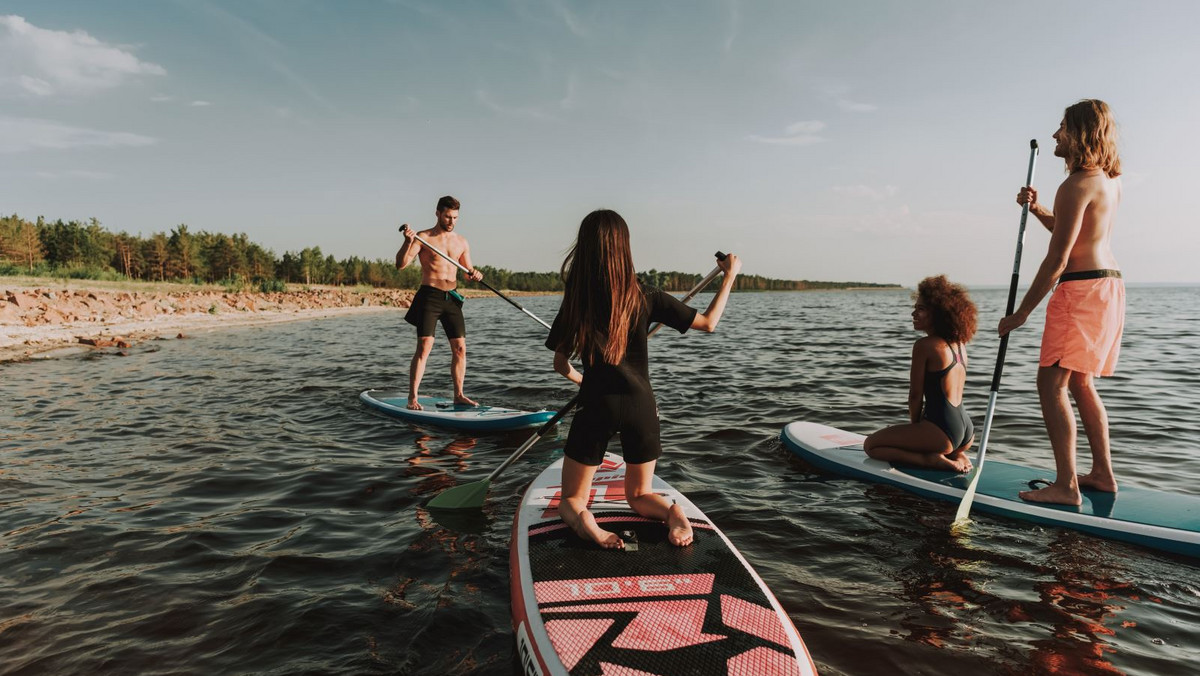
(446, 413)
(1144, 516)
(651, 609)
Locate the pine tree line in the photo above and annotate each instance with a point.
(89, 251)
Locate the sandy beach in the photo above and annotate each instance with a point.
(41, 317)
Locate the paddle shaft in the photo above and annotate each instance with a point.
(695, 290)
(968, 497)
(468, 272)
(1012, 285)
(534, 439)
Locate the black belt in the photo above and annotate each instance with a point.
(1088, 274)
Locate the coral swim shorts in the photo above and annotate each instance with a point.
(1084, 322)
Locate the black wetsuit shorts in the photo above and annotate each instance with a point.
(597, 419)
(431, 305)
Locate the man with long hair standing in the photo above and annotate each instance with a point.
(1086, 313)
(437, 300)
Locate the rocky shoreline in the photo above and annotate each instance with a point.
(48, 317)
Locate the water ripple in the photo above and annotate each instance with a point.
(226, 504)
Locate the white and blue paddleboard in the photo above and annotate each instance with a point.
(651, 608)
(446, 413)
(1158, 519)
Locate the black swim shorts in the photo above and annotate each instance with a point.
(431, 305)
(598, 419)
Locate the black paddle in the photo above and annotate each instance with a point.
(964, 508)
(468, 272)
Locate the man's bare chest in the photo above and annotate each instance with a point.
(451, 247)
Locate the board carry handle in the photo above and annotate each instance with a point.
(964, 507)
(468, 273)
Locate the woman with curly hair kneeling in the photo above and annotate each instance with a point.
(940, 432)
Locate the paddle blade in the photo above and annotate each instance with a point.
(964, 507)
(466, 496)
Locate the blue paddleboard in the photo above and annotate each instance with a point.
(1144, 516)
(446, 413)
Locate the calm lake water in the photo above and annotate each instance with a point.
(224, 503)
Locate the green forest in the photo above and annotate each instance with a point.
(79, 250)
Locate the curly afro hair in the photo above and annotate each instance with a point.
(951, 309)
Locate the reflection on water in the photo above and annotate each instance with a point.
(437, 462)
(226, 504)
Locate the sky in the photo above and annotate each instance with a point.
(865, 141)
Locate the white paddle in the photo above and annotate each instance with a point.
(964, 508)
(468, 273)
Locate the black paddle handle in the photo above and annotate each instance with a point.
(1012, 286)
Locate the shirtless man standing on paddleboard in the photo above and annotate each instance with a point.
(437, 299)
(1086, 313)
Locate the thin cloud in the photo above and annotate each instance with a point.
(530, 112)
(838, 94)
(735, 24)
(74, 173)
(570, 99)
(803, 133)
(161, 98)
(267, 48)
(200, 103)
(19, 134)
(41, 62)
(896, 221)
(856, 107)
(572, 22)
(866, 191)
(547, 111)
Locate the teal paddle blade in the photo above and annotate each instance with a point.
(466, 496)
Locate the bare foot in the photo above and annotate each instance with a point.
(1053, 494)
(951, 462)
(680, 533)
(1104, 484)
(959, 460)
(590, 530)
(414, 405)
(462, 399)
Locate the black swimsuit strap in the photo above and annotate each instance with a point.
(954, 359)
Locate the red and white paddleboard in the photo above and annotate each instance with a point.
(652, 608)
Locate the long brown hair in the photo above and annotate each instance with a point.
(602, 297)
(1091, 136)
